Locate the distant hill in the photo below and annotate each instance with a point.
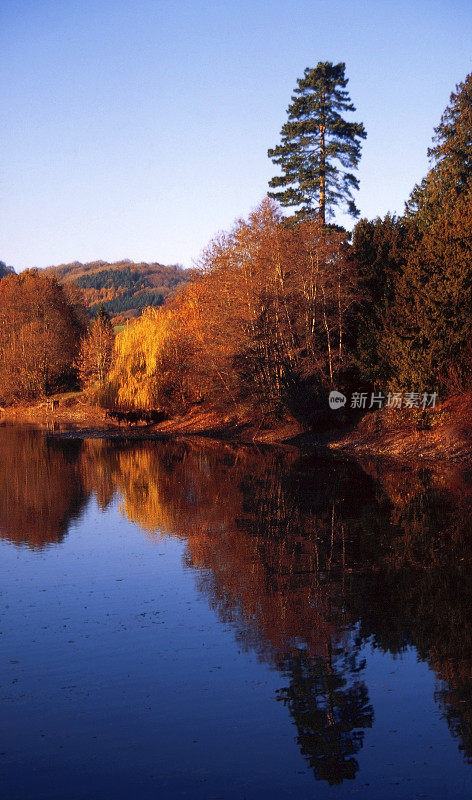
(124, 288)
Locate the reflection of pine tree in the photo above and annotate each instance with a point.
(294, 552)
(330, 707)
(455, 701)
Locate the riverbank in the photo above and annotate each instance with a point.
(74, 416)
(443, 433)
(61, 410)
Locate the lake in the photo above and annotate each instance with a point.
(202, 620)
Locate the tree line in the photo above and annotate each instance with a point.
(286, 305)
(47, 343)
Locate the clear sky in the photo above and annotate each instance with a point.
(139, 128)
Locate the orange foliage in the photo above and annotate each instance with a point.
(39, 336)
(96, 353)
(263, 322)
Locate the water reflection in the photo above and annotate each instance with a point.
(307, 559)
(329, 704)
(41, 489)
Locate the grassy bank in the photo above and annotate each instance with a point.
(70, 409)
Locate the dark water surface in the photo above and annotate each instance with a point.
(218, 621)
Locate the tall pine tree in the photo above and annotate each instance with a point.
(450, 175)
(318, 147)
(430, 324)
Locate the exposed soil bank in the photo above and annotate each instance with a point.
(444, 433)
(441, 433)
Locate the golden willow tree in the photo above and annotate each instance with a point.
(151, 366)
(263, 323)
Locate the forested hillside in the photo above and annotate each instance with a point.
(123, 288)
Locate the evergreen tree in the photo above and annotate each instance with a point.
(4, 270)
(450, 176)
(378, 252)
(430, 324)
(318, 146)
(452, 152)
(104, 317)
(429, 328)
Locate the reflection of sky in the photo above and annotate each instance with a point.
(409, 751)
(117, 675)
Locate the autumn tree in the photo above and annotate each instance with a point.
(96, 352)
(262, 325)
(39, 336)
(152, 364)
(270, 316)
(319, 148)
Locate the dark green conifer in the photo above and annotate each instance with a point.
(429, 330)
(318, 147)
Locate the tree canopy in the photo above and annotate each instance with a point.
(40, 331)
(319, 148)
(264, 323)
(431, 318)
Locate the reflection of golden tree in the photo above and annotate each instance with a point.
(40, 487)
(294, 557)
(268, 544)
(96, 471)
(175, 489)
(306, 560)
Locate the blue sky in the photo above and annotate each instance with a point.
(139, 128)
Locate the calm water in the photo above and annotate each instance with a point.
(180, 620)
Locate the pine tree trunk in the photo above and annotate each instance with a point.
(322, 201)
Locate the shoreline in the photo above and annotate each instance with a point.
(447, 436)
